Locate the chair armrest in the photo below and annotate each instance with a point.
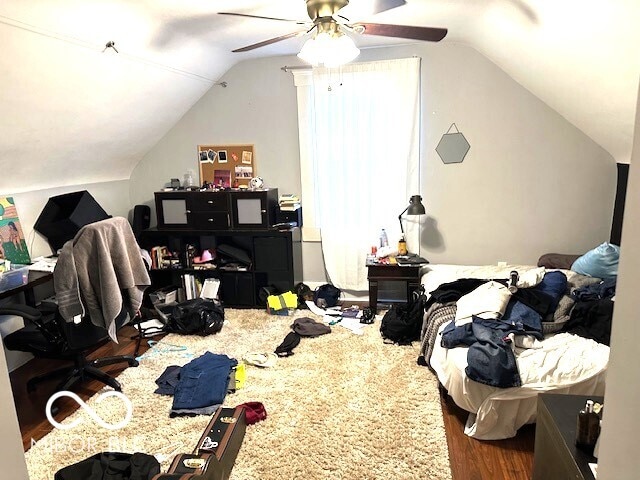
(24, 311)
(34, 316)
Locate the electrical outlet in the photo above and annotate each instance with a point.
(502, 264)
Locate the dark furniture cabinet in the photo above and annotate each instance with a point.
(217, 210)
(198, 210)
(276, 260)
(556, 455)
(376, 273)
(239, 219)
(253, 209)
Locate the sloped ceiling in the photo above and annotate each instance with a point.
(73, 112)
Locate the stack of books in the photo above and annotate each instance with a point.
(289, 202)
(192, 286)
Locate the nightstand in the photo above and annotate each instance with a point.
(380, 272)
(556, 455)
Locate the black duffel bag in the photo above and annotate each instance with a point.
(196, 317)
(402, 323)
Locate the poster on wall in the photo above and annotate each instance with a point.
(13, 245)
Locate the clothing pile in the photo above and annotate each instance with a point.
(492, 321)
(199, 387)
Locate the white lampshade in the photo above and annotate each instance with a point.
(329, 49)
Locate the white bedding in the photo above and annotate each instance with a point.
(566, 363)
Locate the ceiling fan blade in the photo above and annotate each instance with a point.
(269, 42)
(384, 5)
(299, 22)
(430, 34)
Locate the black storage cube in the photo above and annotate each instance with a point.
(64, 215)
(287, 216)
(237, 288)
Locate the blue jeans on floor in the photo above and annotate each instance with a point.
(203, 382)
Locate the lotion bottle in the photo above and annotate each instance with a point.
(587, 428)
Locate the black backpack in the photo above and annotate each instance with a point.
(402, 323)
(326, 296)
(196, 317)
(304, 294)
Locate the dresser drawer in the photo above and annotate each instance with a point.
(209, 220)
(209, 202)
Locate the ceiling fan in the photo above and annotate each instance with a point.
(325, 19)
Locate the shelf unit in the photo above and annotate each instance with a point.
(276, 260)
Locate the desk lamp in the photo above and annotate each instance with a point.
(415, 207)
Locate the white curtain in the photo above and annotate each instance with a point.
(359, 145)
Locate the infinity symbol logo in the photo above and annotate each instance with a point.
(96, 418)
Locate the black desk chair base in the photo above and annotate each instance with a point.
(83, 370)
(41, 338)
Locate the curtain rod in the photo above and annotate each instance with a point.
(287, 68)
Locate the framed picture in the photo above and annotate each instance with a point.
(222, 178)
(246, 157)
(222, 156)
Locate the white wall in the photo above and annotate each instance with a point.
(619, 458)
(527, 173)
(112, 196)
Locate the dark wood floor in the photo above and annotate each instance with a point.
(471, 459)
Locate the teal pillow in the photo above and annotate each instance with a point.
(601, 262)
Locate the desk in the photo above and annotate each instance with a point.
(35, 279)
(555, 454)
(377, 272)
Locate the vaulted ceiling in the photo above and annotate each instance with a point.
(73, 112)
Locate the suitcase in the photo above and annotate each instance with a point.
(217, 449)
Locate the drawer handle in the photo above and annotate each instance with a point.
(188, 211)
(263, 211)
(210, 220)
(209, 201)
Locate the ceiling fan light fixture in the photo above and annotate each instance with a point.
(329, 49)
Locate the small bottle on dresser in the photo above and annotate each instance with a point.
(587, 428)
(384, 241)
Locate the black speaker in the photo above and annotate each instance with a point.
(141, 220)
(64, 215)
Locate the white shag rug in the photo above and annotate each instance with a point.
(344, 406)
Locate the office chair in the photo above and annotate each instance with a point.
(99, 280)
(47, 335)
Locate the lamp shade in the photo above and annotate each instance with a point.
(330, 49)
(415, 206)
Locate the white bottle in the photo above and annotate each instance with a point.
(188, 179)
(384, 241)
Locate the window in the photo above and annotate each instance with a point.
(359, 152)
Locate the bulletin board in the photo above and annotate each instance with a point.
(226, 165)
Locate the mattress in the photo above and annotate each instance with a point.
(565, 363)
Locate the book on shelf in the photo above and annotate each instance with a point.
(192, 286)
(290, 207)
(289, 202)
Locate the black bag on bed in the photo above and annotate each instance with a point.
(402, 323)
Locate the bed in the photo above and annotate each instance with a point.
(561, 362)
